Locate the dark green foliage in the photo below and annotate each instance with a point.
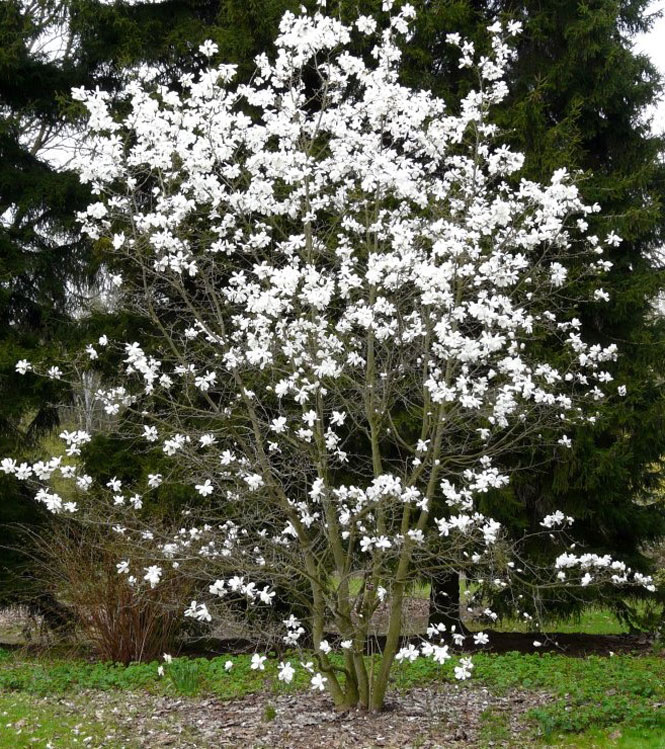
(578, 97)
(44, 262)
(108, 456)
(169, 33)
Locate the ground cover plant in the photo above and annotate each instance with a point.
(610, 700)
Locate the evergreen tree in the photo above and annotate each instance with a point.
(591, 112)
(46, 48)
(116, 37)
(43, 259)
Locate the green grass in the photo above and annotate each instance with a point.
(591, 697)
(592, 621)
(620, 737)
(28, 721)
(415, 589)
(42, 676)
(494, 727)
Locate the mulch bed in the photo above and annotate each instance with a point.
(436, 716)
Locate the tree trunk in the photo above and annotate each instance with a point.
(445, 601)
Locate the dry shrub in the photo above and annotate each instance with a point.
(123, 623)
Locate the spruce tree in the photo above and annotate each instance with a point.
(43, 259)
(118, 36)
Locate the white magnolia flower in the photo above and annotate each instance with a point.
(84, 482)
(114, 484)
(8, 465)
(278, 425)
(318, 682)
(266, 596)
(153, 575)
(481, 638)
(409, 653)
(208, 48)
(440, 654)
(150, 433)
(366, 543)
(205, 489)
(463, 671)
(198, 611)
(366, 24)
(254, 481)
(286, 672)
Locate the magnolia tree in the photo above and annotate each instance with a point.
(349, 287)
